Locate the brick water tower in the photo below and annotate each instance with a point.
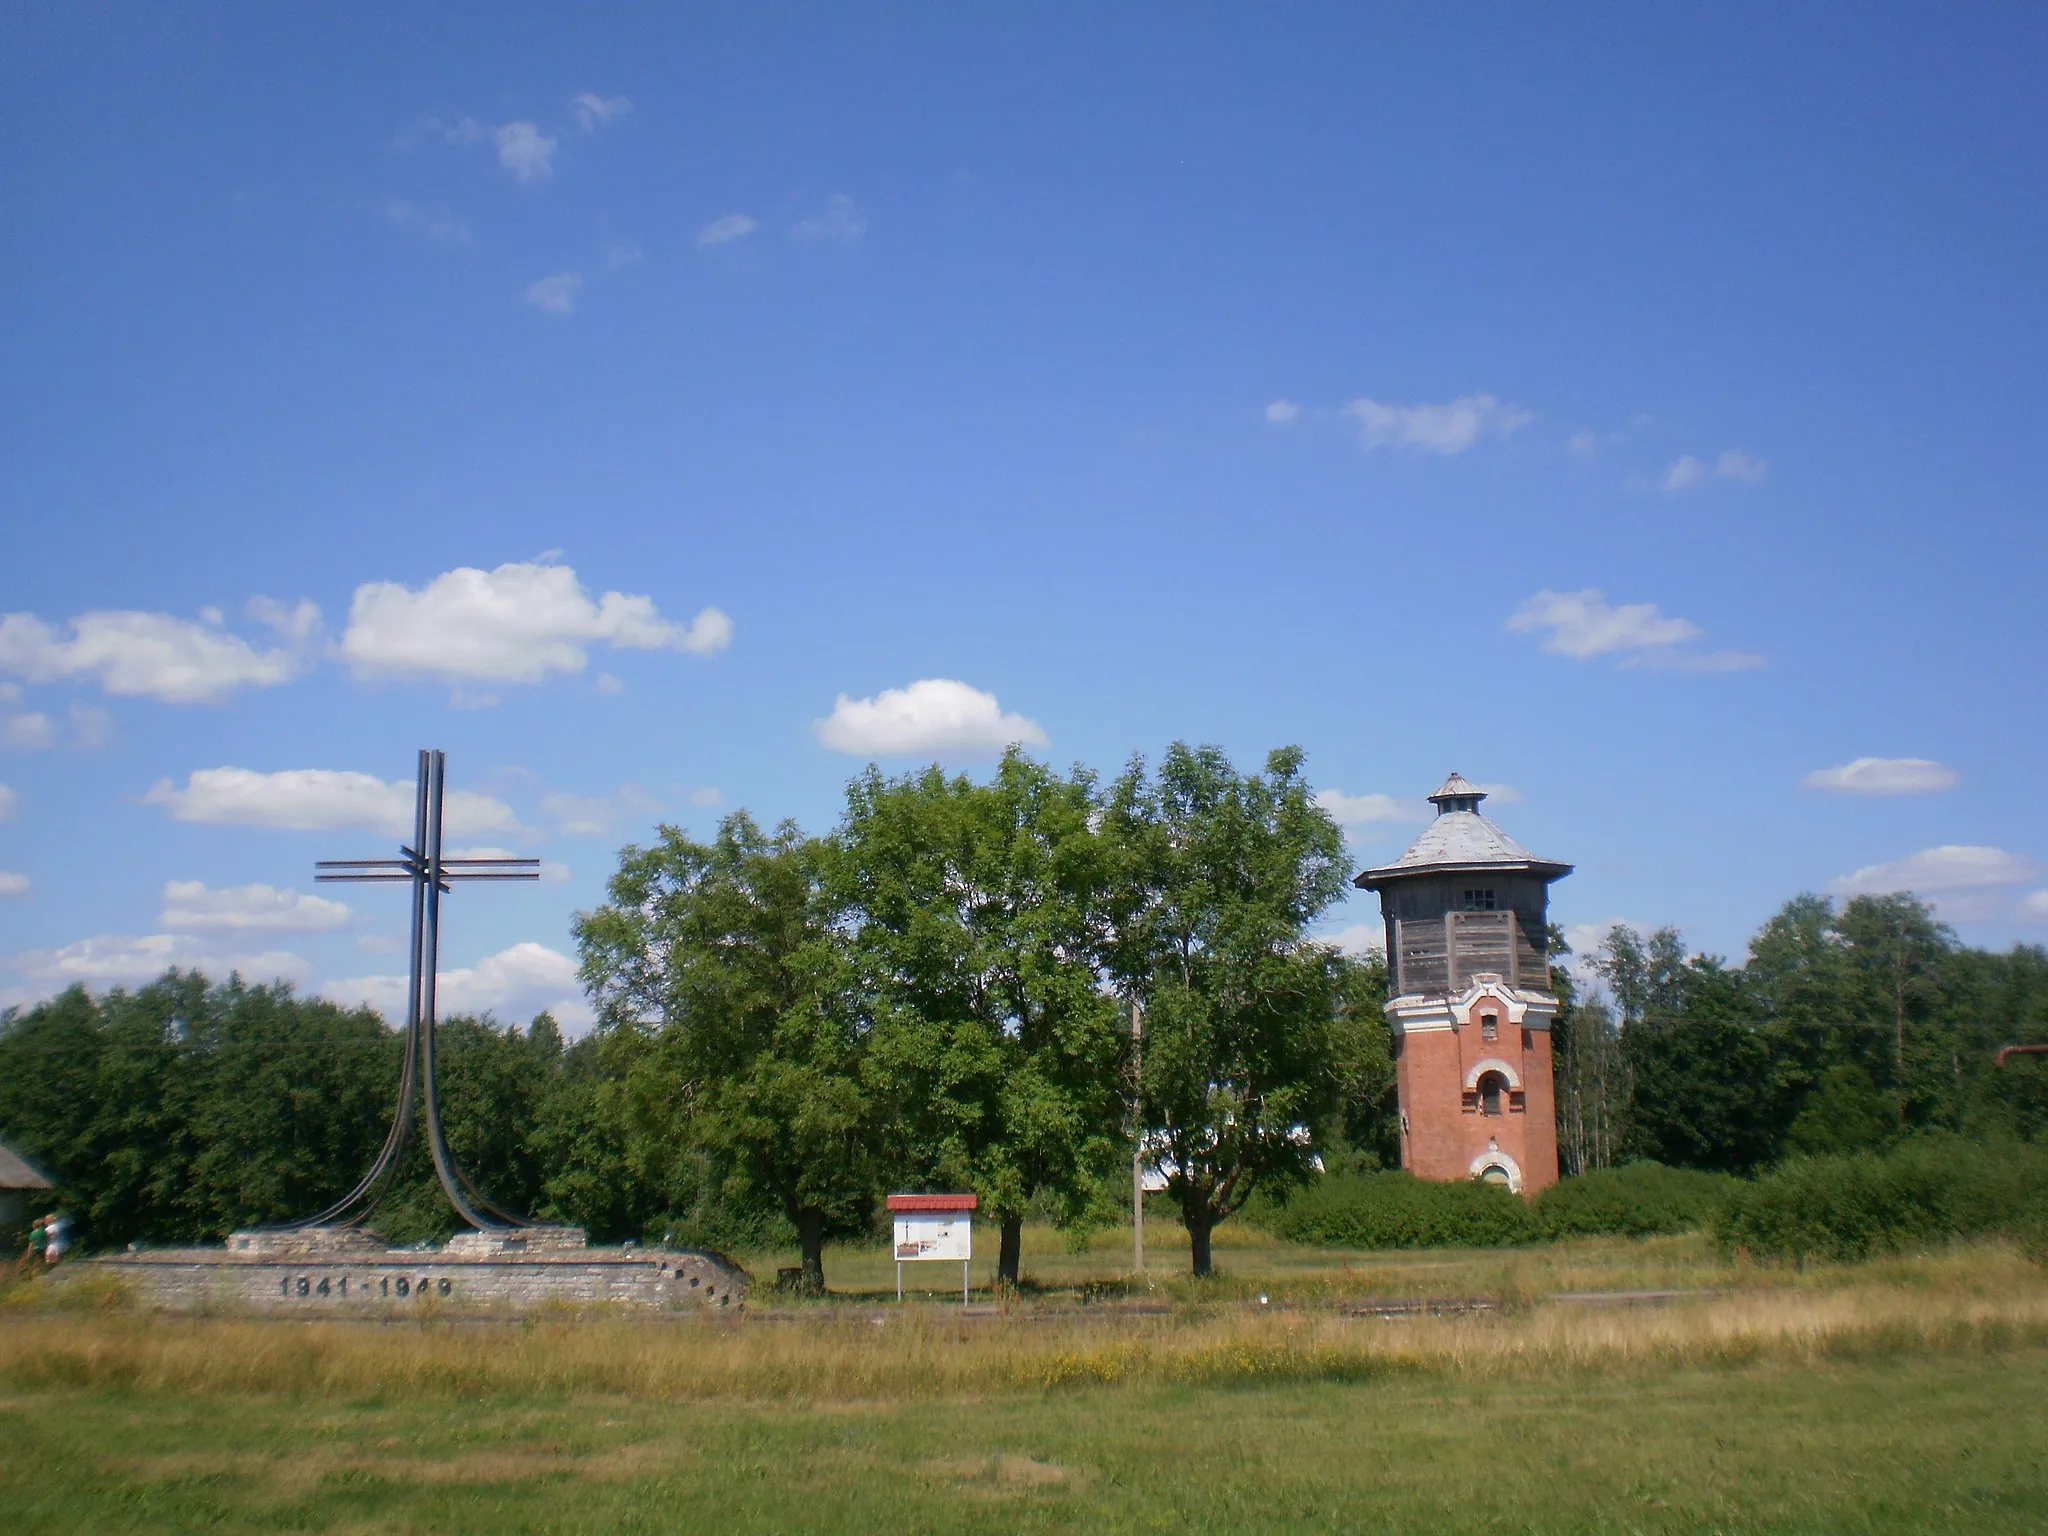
(1467, 912)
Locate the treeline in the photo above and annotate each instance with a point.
(1848, 1029)
(942, 993)
(945, 992)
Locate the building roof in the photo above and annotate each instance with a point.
(933, 1202)
(15, 1172)
(1461, 839)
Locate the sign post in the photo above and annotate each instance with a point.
(934, 1227)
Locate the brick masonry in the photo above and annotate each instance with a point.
(346, 1273)
(1446, 1133)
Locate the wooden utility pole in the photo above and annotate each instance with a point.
(1137, 1137)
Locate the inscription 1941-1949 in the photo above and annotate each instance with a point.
(315, 1286)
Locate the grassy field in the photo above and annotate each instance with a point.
(1899, 1396)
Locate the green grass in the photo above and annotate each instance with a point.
(1924, 1444)
(1900, 1394)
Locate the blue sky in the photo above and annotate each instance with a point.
(1639, 411)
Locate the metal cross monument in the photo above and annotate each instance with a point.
(431, 876)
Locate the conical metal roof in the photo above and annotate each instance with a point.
(1461, 839)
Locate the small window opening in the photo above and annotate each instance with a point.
(1490, 1087)
(1489, 1026)
(1493, 1173)
(1478, 900)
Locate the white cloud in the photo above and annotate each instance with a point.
(725, 228)
(2033, 907)
(1584, 444)
(520, 623)
(1503, 794)
(191, 906)
(1280, 412)
(594, 111)
(1360, 940)
(841, 220)
(607, 683)
(555, 294)
(108, 960)
(1447, 428)
(525, 151)
(436, 224)
(1583, 625)
(513, 984)
(1368, 810)
(150, 655)
(1685, 473)
(551, 873)
(1884, 776)
(28, 733)
(936, 714)
(320, 800)
(1964, 882)
(13, 883)
(1733, 464)
(10, 693)
(10, 803)
(706, 795)
(593, 815)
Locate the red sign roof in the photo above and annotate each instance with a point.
(933, 1202)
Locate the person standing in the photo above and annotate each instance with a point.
(32, 1256)
(56, 1238)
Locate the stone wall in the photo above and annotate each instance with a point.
(354, 1279)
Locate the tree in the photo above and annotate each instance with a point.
(979, 924)
(1893, 951)
(1219, 876)
(1704, 1084)
(729, 956)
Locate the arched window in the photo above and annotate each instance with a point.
(1491, 1088)
(1493, 1173)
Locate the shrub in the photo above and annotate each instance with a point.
(1398, 1210)
(1634, 1200)
(1930, 1190)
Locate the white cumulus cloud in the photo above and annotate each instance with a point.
(1964, 882)
(840, 220)
(513, 984)
(1368, 810)
(13, 883)
(594, 111)
(935, 714)
(555, 294)
(191, 906)
(726, 228)
(525, 151)
(1884, 776)
(2033, 907)
(1361, 940)
(1584, 625)
(109, 960)
(1280, 412)
(33, 732)
(1733, 464)
(520, 623)
(320, 800)
(1450, 427)
(154, 655)
(593, 815)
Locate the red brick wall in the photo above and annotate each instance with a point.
(1443, 1135)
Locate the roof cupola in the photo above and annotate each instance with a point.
(1457, 793)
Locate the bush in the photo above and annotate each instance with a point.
(1398, 1210)
(1930, 1190)
(1635, 1200)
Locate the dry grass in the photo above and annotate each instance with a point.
(1977, 1299)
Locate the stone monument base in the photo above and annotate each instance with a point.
(350, 1272)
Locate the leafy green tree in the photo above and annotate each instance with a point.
(979, 924)
(730, 957)
(1894, 952)
(1248, 1057)
(1704, 1084)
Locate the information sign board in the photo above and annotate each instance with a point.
(934, 1235)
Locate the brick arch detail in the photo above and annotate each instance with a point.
(1492, 1064)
